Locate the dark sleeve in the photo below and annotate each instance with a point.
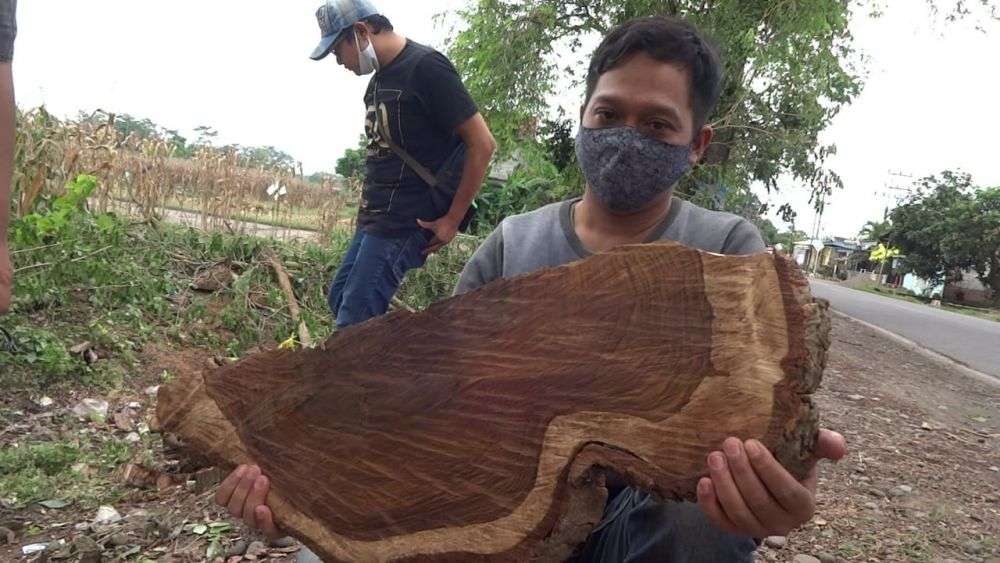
(744, 239)
(485, 265)
(441, 90)
(8, 29)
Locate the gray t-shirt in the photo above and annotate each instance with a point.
(545, 238)
(636, 527)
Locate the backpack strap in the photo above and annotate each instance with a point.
(420, 169)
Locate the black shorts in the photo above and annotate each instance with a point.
(8, 29)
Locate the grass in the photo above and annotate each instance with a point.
(123, 286)
(60, 470)
(988, 313)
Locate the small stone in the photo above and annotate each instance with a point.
(286, 541)
(119, 540)
(92, 409)
(820, 522)
(133, 437)
(255, 550)
(801, 558)
(972, 547)
(82, 526)
(107, 515)
(87, 549)
(995, 469)
(45, 402)
(855, 397)
(827, 557)
(152, 390)
(135, 405)
(871, 506)
(776, 542)
(80, 348)
(237, 549)
(906, 489)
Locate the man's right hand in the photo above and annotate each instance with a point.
(244, 493)
(6, 278)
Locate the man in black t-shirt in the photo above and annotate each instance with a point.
(416, 105)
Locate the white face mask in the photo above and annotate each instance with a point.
(367, 61)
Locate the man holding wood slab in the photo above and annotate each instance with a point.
(652, 84)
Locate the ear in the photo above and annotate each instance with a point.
(701, 142)
(361, 31)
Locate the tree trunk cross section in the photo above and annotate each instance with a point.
(484, 427)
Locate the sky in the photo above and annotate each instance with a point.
(242, 67)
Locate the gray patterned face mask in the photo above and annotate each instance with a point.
(626, 169)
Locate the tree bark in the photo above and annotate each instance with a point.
(483, 428)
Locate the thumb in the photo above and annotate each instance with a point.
(830, 445)
(425, 224)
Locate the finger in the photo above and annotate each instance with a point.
(257, 497)
(265, 522)
(830, 445)
(730, 497)
(239, 497)
(433, 246)
(793, 497)
(426, 225)
(755, 495)
(227, 487)
(709, 504)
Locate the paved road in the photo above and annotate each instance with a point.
(969, 340)
(209, 223)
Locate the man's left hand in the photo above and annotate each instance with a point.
(445, 229)
(749, 493)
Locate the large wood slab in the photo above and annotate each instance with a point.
(484, 427)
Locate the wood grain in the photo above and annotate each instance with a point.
(484, 427)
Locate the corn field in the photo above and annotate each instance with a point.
(142, 177)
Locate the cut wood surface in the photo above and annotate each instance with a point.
(483, 428)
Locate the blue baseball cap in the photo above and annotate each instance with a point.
(334, 17)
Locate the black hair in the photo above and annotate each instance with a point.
(670, 40)
(378, 23)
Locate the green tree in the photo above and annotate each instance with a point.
(949, 226)
(876, 231)
(789, 69)
(352, 164)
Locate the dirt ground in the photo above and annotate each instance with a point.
(921, 482)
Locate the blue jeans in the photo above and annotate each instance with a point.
(639, 529)
(370, 274)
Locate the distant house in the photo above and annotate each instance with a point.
(833, 253)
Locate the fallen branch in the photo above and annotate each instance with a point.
(73, 261)
(293, 305)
